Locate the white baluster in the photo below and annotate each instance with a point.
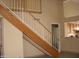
(14, 5)
(25, 11)
(11, 2)
(22, 1)
(43, 33)
(22, 11)
(16, 8)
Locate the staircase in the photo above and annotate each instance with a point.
(30, 26)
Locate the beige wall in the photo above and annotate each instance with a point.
(70, 44)
(50, 15)
(12, 41)
(71, 12)
(50, 12)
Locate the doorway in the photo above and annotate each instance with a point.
(56, 36)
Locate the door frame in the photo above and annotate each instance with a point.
(59, 49)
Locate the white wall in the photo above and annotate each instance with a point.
(12, 41)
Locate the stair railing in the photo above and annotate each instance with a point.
(30, 20)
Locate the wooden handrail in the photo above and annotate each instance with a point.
(5, 12)
(30, 12)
